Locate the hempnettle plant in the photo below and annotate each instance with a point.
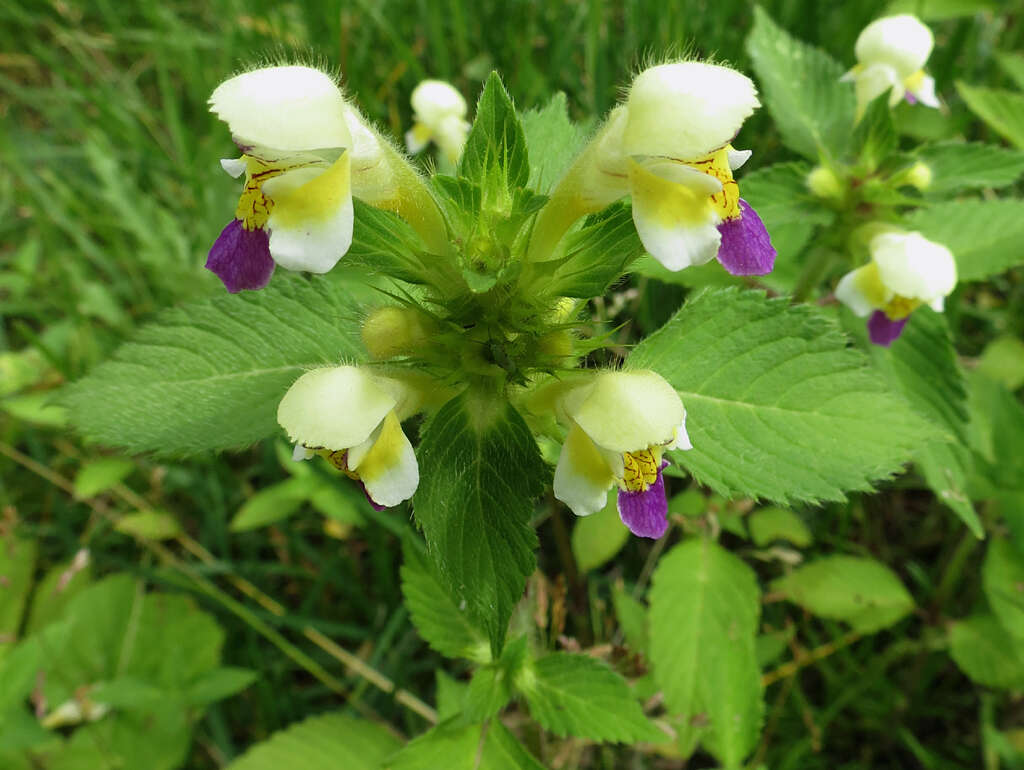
(429, 341)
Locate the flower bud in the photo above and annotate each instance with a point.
(685, 110)
(393, 331)
(824, 183)
(919, 175)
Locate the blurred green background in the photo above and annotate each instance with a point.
(111, 193)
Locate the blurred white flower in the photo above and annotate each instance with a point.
(440, 117)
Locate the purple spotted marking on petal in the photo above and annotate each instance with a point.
(241, 258)
(883, 330)
(646, 513)
(746, 247)
(911, 99)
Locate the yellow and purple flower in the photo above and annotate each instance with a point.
(906, 271)
(620, 424)
(352, 418)
(291, 124)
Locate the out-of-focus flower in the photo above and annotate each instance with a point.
(296, 206)
(620, 424)
(352, 418)
(891, 53)
(906, 271)
(440, 117)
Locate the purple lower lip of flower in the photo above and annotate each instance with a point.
(746, 247)
(911, 99)
(241, 258)
(370, 500)
(646, 513)
(883, 330)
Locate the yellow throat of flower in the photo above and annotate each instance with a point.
(253, 206)
(339, 459)
(727, 202)
(640, 469)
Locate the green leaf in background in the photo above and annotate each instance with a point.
(1002, 110)
(441, 623)
(220, 683)
(578, 695)
(495, 153)
(1003, 578)
(777, 404)
(1002, 360)
(1013, 65)
(97, 476)
(552, 139)
(17, 563)
(996, 434)
(705, 605)
(325, 742)
(58, 587)
(986, 652)
(150, 525)
(780, 196)
(922, 365)
(209, 375)
(939, 10)
(598, 538)
(860, 591)
(632, 617)
(454, 745)
(874, 137)
(770, 524)
(986, 237)
(801, 88)
(273, 503)
(958, 166)
(480, 471)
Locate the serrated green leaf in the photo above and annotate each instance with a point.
(273, 504)
(770, 524)
(495, 153)
(552, 140)
(1002, 360)
(778, 406)
(209, 375)
(454, 745)
(441, 623)
(597, 539)
(451, 695)
(860, 591)
(983, 650)
(578, 695)
(705, 605)
(383, 241)
(17, 564)
(97, 476)
(325, 742)
(984, 236)
(958, 166)
(151, 525)
(1003, 578)
(480, 470)
(800, 84)
(1002, 110)
(489, 692)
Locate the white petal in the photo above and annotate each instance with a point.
(686, 109)
(335, 407)
(311, 224)
(850, 291)
(873, 81)
(912, 266)
(435, 100)
(627, 411)
(938, 304)
(417, 138)
(737, 158)
(235, 167)
(902, 42)
(451, 136)
(676, 222)
(300, 453)
(388, 467)
(582, 477)
(680, 438)
(925, 93)
(681, 174)
(287, 108)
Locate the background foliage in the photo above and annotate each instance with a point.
(289, 588)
